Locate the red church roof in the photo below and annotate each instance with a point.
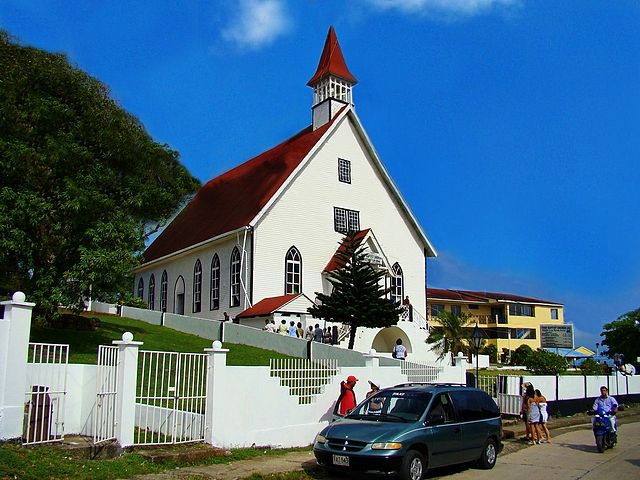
(331, 61)
(267, 306)
(468, 296)
(233, 199)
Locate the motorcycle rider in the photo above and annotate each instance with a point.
(608, 404)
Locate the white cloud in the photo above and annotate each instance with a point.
(257, 23)
(460, 7)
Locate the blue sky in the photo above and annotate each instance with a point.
(511, 127)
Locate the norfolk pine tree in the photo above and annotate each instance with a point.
(358, 299)
(82, 184)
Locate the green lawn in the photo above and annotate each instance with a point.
(83, 345)
(52, 461)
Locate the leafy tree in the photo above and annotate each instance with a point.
(491, 350)
(519, 355)
(452, 335)
(357, 299)
(591, 367)
(622, 336)
(542, 362)
(82, 183)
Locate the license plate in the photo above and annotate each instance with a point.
(341, 460)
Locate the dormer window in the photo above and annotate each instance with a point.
(344, 170)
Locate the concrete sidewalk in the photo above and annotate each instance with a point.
(296, 461)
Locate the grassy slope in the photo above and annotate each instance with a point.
(83, 345)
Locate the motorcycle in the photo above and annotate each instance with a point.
(603, 429)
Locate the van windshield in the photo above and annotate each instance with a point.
(393, 406)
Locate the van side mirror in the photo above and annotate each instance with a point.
(435, 419)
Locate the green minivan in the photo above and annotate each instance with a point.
(408, 428)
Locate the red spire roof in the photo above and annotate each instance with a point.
(332, 62)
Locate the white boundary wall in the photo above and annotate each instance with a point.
(270, 416)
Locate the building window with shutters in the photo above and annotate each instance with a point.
(214, 301)
(293, 272)
(520, 310)
(235, 278)
(197, 287)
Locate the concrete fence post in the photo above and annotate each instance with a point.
(372, 362)
(462, 365)
(216, 371)
(127, 378)
(15, 327)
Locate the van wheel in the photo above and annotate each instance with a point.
(489, 455)
(413, 466)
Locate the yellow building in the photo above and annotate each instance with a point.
(507, 320)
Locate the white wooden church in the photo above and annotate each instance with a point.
(258, 241)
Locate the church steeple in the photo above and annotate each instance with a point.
(331, 83)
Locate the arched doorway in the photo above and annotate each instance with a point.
(386, 338)
(178, 296)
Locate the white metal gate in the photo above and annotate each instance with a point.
(170, 397)
(418, 372)
(45, 395)
(502, 388)
(104, 421)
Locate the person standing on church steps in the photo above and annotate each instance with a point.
(399, 351)
(318, 334)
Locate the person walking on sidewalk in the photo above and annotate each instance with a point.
(544, 417)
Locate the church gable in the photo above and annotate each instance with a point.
(232, 200)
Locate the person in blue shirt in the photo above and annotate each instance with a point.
(606, 403)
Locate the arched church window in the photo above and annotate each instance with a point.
(397, 283)
(214, 298)
(293, 271)
(164, 284)
(151, 299)
(235, 278)
(141, 288)
(197, 286)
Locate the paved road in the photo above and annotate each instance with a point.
(571, 456)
